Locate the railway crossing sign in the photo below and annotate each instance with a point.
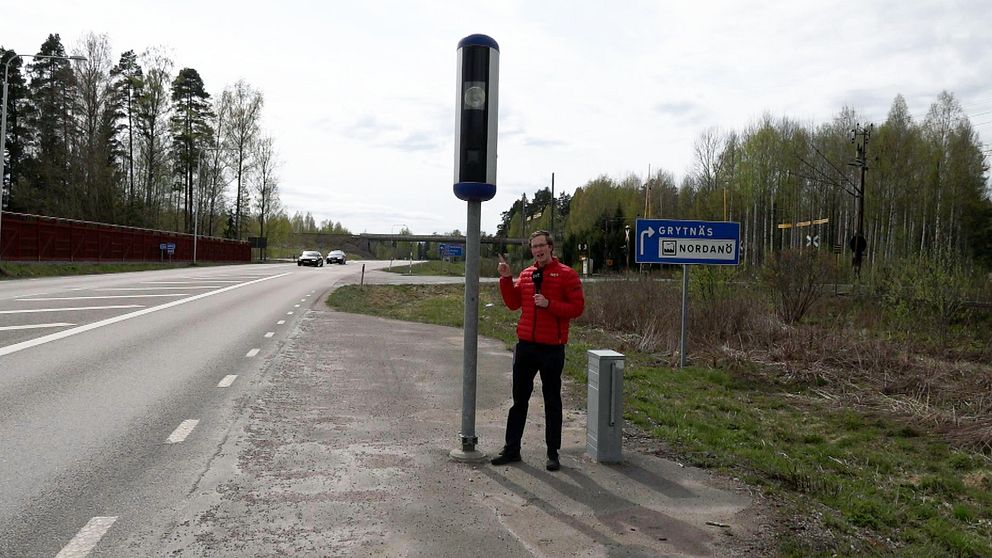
(670, 241)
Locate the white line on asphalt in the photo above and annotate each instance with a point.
(251, 353)
(290, 313)
(270, 334)
(95, 297)
(303, 299)
(33, 326)
(71, 309)
(69, 332)
(181, 431)
(86, 538)
(176, 287)
(296, 306)
(228, 380)
(280, 322)
(187, 282)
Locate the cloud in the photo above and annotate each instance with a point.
(683, 112)
(544, 142)
(369, 128)
(416, 141)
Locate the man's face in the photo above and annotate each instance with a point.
(541, 250)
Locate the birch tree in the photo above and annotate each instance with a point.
(242, 108)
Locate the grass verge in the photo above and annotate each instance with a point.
(851, 481)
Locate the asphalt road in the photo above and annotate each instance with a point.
(116, 389)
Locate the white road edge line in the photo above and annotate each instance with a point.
(269, 334)
(251, 353)
(33, 326)
(184, 429)
(87, 538)
(113, 307)
(227, 381)
(83, 328)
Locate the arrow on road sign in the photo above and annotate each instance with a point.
(650, 232)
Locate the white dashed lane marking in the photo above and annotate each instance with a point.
(181, 431)
(252, 353)
(270, 334)
(227, 381)
(290, 313)
(87, 538)
(280, 322)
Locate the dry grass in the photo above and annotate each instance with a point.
(944, 391)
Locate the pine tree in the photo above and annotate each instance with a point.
(19, 135)
(53, 91)
(127, 78)
(190, 128)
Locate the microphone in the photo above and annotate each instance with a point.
(537, 277)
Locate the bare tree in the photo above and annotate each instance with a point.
(96, 189)
(153, 115)
(266, 182)
(242, 108)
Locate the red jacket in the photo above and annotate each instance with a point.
(562, 288)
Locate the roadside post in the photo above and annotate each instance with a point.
(475, 182)
(669, 241)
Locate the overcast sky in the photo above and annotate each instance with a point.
(360, 96)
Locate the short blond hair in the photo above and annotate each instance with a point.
(547, 237)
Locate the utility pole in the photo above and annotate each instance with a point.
(553, 205)
(859, 244)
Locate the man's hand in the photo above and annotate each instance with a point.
(540, 301)
(503, 268)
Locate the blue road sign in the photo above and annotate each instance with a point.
(455, 250)
(687, 242)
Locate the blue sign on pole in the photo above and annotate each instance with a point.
(455, 250)
(671, 241)
(442, 250)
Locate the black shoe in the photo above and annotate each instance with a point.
(553, 463)
(506, 456)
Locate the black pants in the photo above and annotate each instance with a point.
(528, 360)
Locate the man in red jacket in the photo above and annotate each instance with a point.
(549, 294)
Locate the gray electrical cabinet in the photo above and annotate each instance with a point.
(604, 411)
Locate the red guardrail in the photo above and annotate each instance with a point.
(29, 238)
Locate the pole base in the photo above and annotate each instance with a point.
(468, 455)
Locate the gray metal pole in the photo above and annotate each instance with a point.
(467, 452)
(685, 313)
(3, 140)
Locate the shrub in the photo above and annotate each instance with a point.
(926, 294)
(796, 279)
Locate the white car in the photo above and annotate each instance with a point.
(336, 256)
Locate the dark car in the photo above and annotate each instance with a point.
(310, 257)
(336, 256)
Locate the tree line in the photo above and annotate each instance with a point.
(793, 185)
(135, 143)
